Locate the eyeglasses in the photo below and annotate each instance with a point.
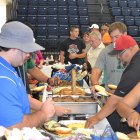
(121, 53)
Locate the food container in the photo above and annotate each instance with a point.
(80, 107)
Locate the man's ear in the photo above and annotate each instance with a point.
(131, 48)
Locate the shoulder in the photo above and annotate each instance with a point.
(107, 50)
(30, 64)
(7, 80)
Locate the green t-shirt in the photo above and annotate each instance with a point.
(29, 64)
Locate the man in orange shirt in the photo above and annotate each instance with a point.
(106, 39)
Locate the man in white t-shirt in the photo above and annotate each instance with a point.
(96, 47)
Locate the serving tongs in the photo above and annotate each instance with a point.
(98, 101)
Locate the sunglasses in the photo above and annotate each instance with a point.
(121, 53)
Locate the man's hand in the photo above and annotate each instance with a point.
(59, 111)
(48, 109)
(40, 66)
(54, 81)
(72, 55)
(91, 121)
(134, 120)
(93, 91)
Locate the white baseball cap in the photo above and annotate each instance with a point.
(95, 26)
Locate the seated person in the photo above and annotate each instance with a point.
(129, 107)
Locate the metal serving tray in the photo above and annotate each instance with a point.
(80, 107)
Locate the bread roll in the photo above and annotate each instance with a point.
(76, 125)
(99, 88)
(38, 89)
(113, 87)
(67, 91)
(122, 136)
(63, 130)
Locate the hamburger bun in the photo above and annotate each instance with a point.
(63, 130)
(99, 88)
(113, 87)
(68, 91)
(38, 89)
(122, 136)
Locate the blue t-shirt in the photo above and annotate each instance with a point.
(14, 103)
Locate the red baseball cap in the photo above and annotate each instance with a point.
(122, 43)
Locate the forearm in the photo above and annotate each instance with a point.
(37, 74)
(82, 55)
(96, 73)
(109, 107)
(62, 57)
(32, 120)
(41, 62)
(34, 103)
(124, 110)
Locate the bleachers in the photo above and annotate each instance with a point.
(62, 10)
(63, 31)
(84, 20)
(123, 3)
(113, 3)
(42, 10)
(83, 11)
(31, 19)
(52, 18)
(41, 30)
(135, 11)
(127, 11)
(62, 2)
(63, 20)
(81, 3)
(42, 2)
(73, 20)
(33, 2)
(41, 20)
(84, 28)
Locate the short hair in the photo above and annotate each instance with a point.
(4, 49)
(86, 33)
(106, 24)
(73, 27)
(118, 25)
(97, 34)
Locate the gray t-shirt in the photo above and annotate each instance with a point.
(111, 65)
